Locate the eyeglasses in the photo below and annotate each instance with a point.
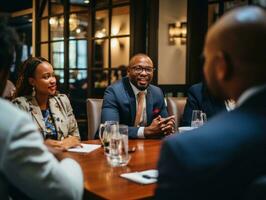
(139, 69)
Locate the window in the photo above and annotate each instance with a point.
(110, 43)
(87, 42)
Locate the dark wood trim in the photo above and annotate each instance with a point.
(41, 7)
(110, 11)
(221, 8)
(152, 30)
(90, 48)
(66, 45)
(37, 29)
(138, 21)
(49, 30)
(197, 26)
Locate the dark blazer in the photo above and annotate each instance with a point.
(218, 160)
(198, 98)
(119, 104)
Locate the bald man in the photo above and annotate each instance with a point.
(221, 159)
(133, 101)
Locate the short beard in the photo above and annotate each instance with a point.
(141, 88)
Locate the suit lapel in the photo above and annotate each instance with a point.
(58, 117)
(149, 106)
(131, 98)
(36, 113)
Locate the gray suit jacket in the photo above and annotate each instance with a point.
(61, 110)
(27, 165)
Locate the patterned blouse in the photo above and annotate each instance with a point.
(50, 132)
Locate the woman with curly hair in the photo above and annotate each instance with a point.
(36, 94)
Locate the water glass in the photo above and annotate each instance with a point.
(198, 118)
(105, 132)
(118, 155)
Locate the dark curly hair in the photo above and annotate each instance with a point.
(27, 71)
(8, 42)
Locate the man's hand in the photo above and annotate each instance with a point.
(167, 125)
(154, 130)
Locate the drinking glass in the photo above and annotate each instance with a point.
(118, 155)
(198, 118)
(105, 132)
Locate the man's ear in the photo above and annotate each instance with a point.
(224, 67)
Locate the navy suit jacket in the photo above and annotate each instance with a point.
(119, 104)
(198, 98)
(218, 160)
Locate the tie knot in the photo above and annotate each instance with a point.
(141, 94)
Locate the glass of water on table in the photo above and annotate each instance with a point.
(105, 131)
(198, 118)
(118, 154)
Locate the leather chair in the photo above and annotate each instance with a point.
(94, 109)
(175, 106)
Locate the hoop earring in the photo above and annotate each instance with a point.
(33, 91)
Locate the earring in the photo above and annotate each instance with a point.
(33, 91)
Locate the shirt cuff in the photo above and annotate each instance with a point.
(141, 132)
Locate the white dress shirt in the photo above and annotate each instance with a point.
(230, 104)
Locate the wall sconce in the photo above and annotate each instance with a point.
(177, 31)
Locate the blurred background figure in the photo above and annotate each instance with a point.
(199, 98)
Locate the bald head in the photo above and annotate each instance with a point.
(139, 56)
(241, 35)
(237, 41)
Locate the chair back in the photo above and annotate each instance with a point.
(94, 109)
(175, 106)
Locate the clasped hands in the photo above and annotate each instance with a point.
(160, 127)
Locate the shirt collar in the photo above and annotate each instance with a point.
(249, 93)
(136, 90)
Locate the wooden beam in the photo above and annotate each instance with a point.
(22, 12)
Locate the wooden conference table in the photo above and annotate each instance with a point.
(102, 181)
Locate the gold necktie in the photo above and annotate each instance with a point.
(141, 96)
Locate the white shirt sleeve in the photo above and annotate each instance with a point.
(141, 132)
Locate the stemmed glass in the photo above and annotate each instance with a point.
(198, 118)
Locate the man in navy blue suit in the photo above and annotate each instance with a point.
(199, 98)
(137, 103)
(221, 159)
